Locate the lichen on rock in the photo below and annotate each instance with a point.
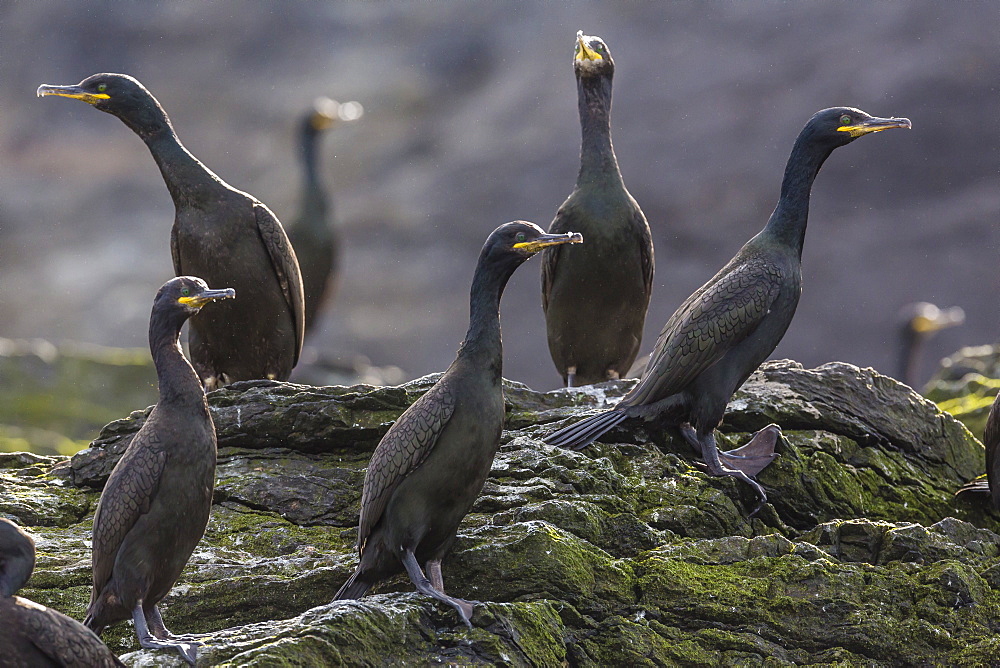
(622, 554)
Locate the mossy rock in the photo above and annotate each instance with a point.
(966, 385)
(625, 553)
(53, 399)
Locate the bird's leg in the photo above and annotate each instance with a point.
(710, 452)
(159, 629)
(756, 454)
(425, 587)
(434, 573)
(691, 436)
(570, 376)
(188, 651)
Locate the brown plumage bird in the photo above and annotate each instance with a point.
(728, 326)
(223, 235)
(156, 504)
(595, 297)
(32, 634)
(314, 232)
(430, 466)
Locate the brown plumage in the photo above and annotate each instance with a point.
(34, 635)
(595, 297)
(156, 504)
(430, 466)
(221, 234)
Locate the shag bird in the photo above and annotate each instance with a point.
(430, 466)
(32, 634)
(221, 234)
(991, 441)
(920, 321)
(313, 233)
(722, 332)
(155, 506)
(595, 297)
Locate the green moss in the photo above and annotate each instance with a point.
(618, 641)
(625, 553)
(968, 400)
(537, 560)
(897, 612)
(72, 391)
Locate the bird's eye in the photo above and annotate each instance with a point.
(521, 237)
(102, 87)
(845, 120)
(185, 292)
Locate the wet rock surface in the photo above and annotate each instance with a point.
(622, 554)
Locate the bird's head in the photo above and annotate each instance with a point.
(17, 557)
(839, 126)
(592, 56)
(119, 95)
(188, 294)
(107, 92)
(510, 245)
(521, 239)
(323, 114)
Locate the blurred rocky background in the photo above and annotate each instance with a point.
(471, 120)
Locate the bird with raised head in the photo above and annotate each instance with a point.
(33, 634)
(728, 326)
(156, 503)
(918, 323)
(595, 297)
(430, 466)
(221, 234)
(313, 232)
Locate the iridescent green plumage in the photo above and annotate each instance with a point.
(595, 297)
(726, 328)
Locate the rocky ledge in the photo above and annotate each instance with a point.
(622, 554)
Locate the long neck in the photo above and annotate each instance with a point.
(186, 178)
(179, 384)
(909, 354)
(597, 156)
(788, 222)
(314, 199)
(483, 347)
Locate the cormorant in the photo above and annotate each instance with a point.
(312, 233)
(920, 321)
(221, 234)
(155, 506)
(32, 634)
(430, 466)
(595, 297)
(722, 332)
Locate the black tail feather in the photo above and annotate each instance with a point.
(581, 434)
(978, 486)
(354, 588)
